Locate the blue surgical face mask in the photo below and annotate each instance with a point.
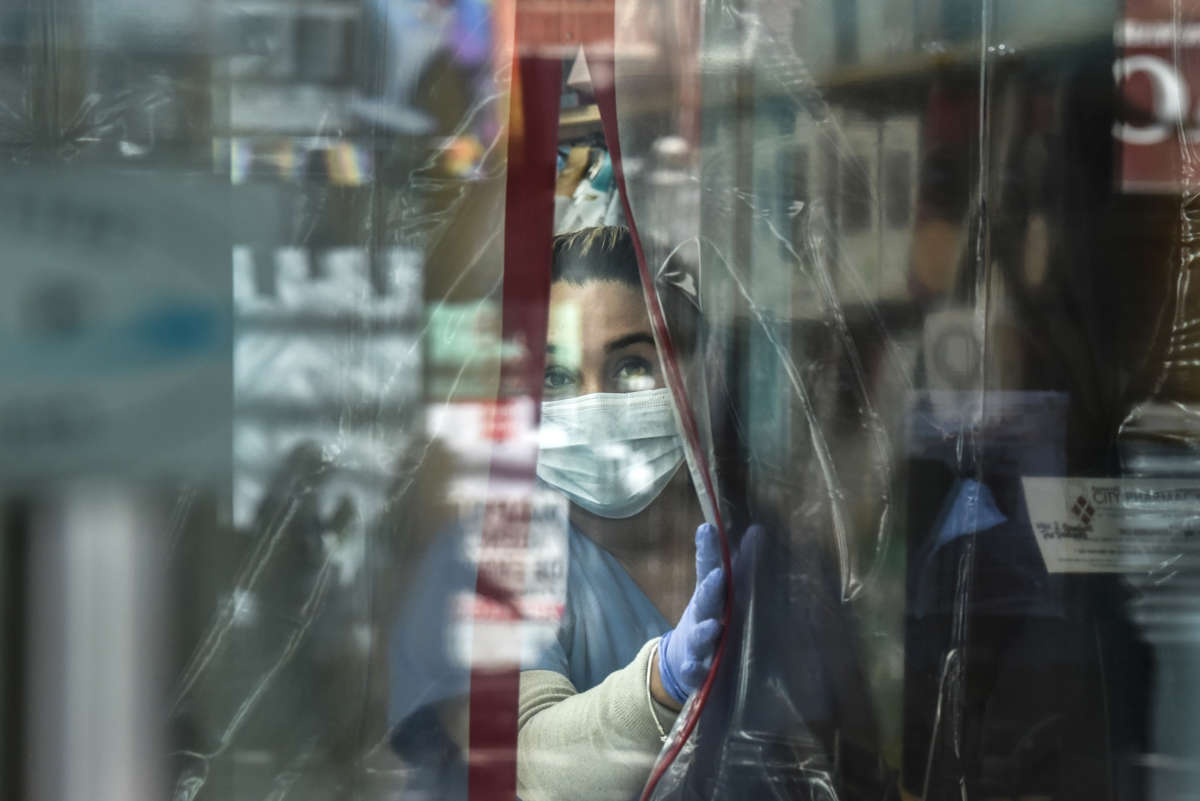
(611, 454)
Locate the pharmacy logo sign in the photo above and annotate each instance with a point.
(1081, 508)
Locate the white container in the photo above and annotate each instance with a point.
(1034, 23)
(885, 30)
(898, 180)
(808, 214)
(858, 221)
(814, 32)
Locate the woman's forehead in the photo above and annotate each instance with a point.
(595, 312)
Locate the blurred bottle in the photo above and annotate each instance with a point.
(1160, 439)
(1161, 436)
(96, 644)
(673, 213)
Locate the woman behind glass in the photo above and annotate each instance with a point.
(595, 705)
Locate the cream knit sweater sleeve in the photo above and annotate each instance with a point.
(597, 745)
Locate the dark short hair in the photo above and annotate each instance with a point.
(604, 253)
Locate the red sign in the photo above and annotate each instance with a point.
(1158, 75)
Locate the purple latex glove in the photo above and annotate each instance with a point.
(685, 653)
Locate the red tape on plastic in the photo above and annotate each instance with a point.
(601, 61)
(528, 229)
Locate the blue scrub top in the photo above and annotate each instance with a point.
(606, 620)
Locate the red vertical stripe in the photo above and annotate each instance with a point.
(529, 211)
(528, 228)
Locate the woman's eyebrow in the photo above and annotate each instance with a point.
(640, 338)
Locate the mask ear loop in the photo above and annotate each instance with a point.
(603, 62)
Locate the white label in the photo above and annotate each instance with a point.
(1109, 525)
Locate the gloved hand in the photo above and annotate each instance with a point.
(685, 653)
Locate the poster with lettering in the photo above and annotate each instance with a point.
(514, 534)
(514, 615)
(1111, 525)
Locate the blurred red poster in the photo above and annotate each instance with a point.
(557, 27)
(1158, 79)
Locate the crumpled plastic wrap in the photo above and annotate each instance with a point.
(883, 257)
(926, 272)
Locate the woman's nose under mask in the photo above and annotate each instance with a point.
(611, 454)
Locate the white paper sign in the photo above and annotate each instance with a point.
(521, 548)
(1115, 525)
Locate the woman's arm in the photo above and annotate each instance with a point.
(597, 745)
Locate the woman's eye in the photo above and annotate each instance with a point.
(634, 374)
(558, 380)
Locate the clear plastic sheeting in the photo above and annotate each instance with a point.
(882, 219)
(598, 400)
